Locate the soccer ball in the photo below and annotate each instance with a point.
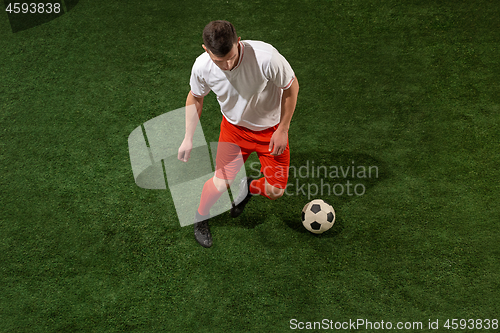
(318, 216)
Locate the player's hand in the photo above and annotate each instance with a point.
(185, 150)
(278, 142)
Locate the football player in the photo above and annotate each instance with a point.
(257, 92)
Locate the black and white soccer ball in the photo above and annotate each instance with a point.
(318, 216)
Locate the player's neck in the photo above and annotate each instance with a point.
(237, 57)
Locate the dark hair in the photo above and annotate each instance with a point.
(219, 37)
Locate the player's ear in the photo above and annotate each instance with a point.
(204, 47)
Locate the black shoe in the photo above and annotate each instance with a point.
(202, 230)
(243, 197)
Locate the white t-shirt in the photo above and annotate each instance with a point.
(250, 94)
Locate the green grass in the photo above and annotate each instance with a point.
(410, 87)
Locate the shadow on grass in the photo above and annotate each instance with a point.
(337, 177)
(27, 15)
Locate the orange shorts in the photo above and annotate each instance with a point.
(234, 139)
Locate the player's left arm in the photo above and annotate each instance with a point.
(279, 139)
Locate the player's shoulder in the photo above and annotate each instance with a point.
(202, 60)
(202, 65)
(259, 46)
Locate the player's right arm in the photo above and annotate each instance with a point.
(194, 105)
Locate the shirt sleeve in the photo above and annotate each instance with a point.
(280, 72)
(199, 86)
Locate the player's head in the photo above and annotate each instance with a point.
(221, 42)
(219, 37)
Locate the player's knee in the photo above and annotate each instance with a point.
(222, 184)
(274, 192)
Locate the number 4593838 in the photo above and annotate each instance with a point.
(471, 324)
(40, 8)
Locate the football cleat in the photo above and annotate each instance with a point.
(243, 197)
(202, 230)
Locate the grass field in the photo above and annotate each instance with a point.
(409, 87)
